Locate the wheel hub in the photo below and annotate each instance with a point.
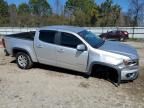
(22, 60)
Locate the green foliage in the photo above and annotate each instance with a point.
(77, 12)
(40, 7)
(84, 11)
(3, 8)
(110, 13)
(85, 5)
(24, 9)
(3, 12)
(80, 18)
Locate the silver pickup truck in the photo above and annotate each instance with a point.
(73, 48)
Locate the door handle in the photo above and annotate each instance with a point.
(39, 46)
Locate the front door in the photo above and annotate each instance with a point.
(67, 54)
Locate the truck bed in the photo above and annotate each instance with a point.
(23, 35)
(22, 41)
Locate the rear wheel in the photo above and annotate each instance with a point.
(23, 60)
(122, 39)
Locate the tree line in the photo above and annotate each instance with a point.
(74, 12)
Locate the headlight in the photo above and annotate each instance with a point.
(124, 64)
(129, 63)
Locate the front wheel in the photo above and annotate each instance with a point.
(23, 60)
(104, 38)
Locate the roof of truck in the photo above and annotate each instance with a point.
(64, 28)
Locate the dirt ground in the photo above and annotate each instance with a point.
(49, 87)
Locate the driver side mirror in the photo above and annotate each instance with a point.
(81, 47)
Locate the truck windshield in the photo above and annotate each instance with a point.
(91, 38)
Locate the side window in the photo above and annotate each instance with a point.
(47, 36)
(69, 40)
(118, 32)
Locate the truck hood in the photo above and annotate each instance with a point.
(120, 48)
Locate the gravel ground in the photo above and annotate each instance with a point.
(49, 87)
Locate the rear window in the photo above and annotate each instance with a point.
(24, 35)
(47, 36)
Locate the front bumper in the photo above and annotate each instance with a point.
(129, 73)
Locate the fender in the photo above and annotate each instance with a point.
(21, 49)
(108, 65)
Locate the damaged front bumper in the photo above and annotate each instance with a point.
(129, 72)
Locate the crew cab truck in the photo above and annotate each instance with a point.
(73, 48)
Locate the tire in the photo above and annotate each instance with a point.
(23, 60)
(122, 39)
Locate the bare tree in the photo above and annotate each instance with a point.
(13, 14)
(121, 19)
(59, 7)
(136, 10)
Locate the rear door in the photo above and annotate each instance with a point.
(45, 47)
(113, 35)
(67, 54)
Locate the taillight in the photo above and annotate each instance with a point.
(3, 42)
(125, 33)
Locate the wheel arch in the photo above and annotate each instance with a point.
(118, 71)
(16, 50)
